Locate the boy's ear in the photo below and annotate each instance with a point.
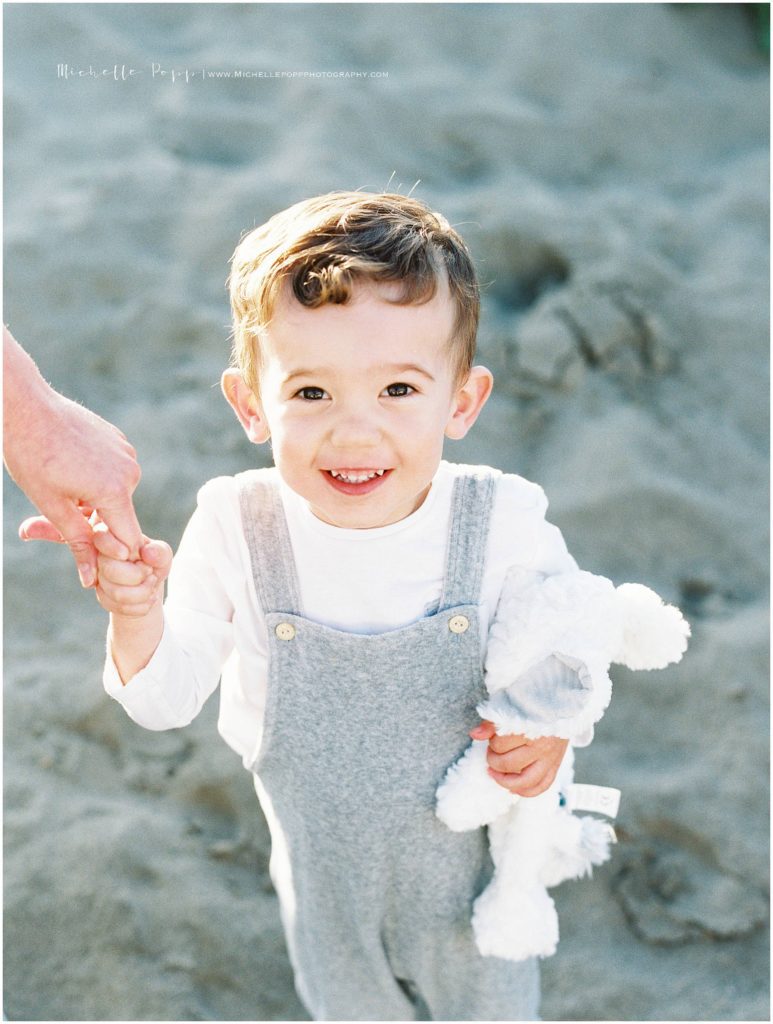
(468, 402)
(246, 405)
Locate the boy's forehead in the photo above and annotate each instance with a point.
(364, 334)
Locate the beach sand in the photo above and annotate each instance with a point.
(608, 165)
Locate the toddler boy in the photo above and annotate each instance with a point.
(345, 598)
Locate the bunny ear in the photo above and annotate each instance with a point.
(654, 634)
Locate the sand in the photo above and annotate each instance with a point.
(608, 165)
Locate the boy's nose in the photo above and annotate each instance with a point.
(355, 430)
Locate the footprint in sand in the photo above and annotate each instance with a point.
(673, 890)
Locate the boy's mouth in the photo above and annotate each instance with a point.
(356, 481)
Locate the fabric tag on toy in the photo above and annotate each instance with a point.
(601, 799)
(611, 834)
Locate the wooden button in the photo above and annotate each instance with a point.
(459, 624)
(285, 631)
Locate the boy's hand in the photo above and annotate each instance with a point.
(523, 766)
(127, 588)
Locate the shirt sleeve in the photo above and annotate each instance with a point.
(551, 556)
(198, 631)
(520, 535)
(549, 553)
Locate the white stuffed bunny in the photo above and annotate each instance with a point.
(547, 674)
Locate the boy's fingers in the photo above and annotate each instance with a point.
(134, 610)
(513, 761)
(129, 574)
(535, 784)
(484, 731)
(126, 599)
(545, 754)
(501, 744)
(158, 555)
(530, 782)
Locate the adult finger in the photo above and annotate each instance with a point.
(121, 519)
(39, 528)
(108, 545)
(77, 535)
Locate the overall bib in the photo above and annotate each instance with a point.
(375, 892)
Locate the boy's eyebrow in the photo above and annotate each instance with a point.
(386, 367)
(409, 368)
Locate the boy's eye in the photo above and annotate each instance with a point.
(311, 394)
(399, 390)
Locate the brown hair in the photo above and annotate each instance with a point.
(325, 244)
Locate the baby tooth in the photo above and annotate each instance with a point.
(356, 478)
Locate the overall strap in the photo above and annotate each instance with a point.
(268, 542)
(471, 504)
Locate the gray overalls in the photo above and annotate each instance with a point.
(376, 893)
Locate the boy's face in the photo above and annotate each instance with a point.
(357, 399)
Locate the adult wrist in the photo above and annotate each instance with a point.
(25, 390)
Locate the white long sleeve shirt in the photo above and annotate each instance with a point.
(359, 581)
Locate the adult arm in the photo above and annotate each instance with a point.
(66, 459)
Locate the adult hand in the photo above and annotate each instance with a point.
(68, 461)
